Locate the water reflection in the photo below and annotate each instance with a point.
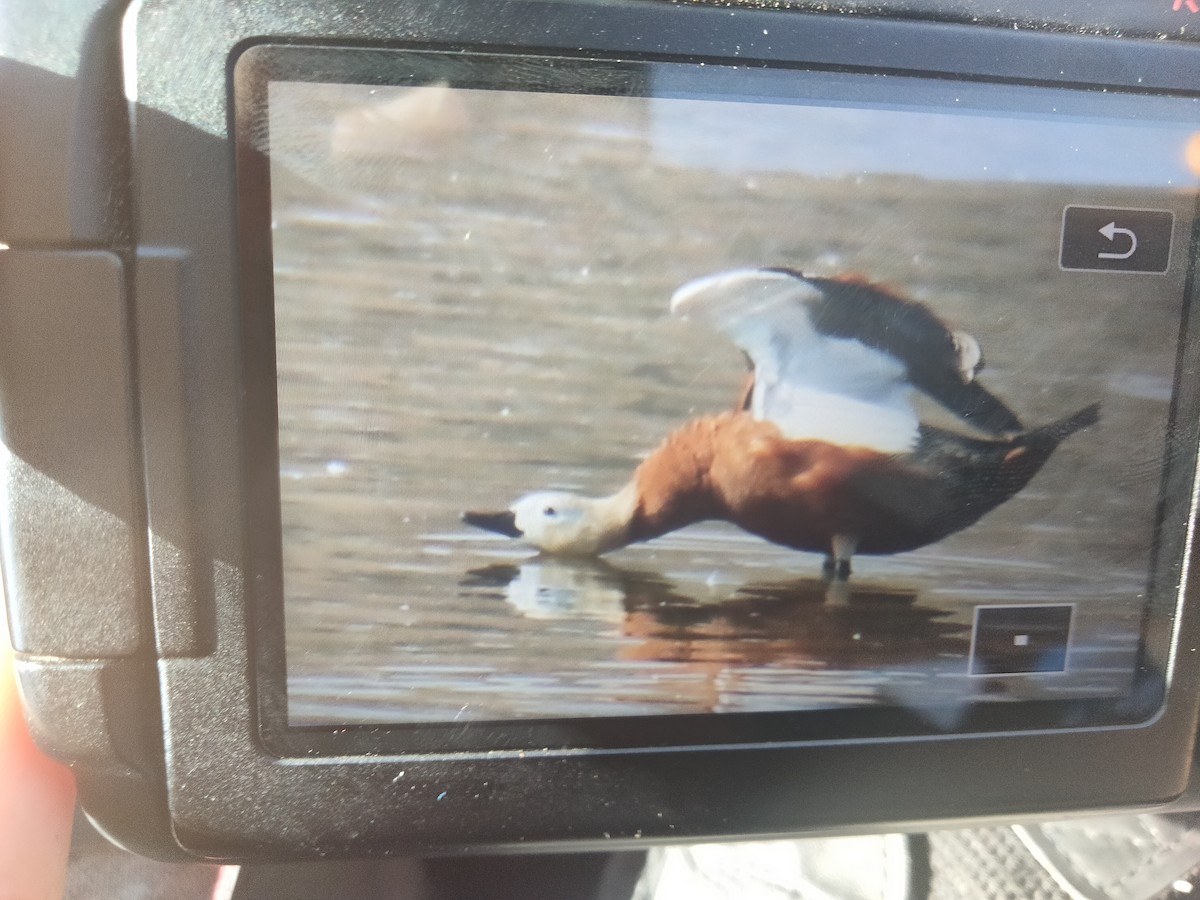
(803, 623)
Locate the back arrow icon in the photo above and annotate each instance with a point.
(1111, 231)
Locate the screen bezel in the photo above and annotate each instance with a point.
(614, 75)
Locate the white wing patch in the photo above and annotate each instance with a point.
(812, 386)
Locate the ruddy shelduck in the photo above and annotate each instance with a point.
(825, 452)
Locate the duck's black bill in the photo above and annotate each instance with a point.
(504, 523)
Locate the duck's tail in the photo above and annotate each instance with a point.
(1058, 431)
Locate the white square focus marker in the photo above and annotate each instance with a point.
(1021, 640)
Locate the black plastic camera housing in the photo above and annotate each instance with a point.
(140, 517)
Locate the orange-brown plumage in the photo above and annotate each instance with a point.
(801, 494)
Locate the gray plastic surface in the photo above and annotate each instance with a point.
(56, 96)
(99, 713)
(34, 192)
(1161, 19)
(70, 504)
(184, 627)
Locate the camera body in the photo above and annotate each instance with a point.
(159, 475)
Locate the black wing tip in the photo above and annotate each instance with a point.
(1068, 425)
(1086, 417)
(970, 402)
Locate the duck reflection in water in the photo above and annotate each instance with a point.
(789, 623)
(825, 452)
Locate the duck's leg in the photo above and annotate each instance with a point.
(837, 565)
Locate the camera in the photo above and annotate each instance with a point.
(382, 473)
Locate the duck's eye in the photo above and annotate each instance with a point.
(549, 511)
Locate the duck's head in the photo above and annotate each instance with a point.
(562, 523)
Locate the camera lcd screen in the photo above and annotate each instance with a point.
(869, 382)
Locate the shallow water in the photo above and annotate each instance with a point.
(680, 633)
(460, 325)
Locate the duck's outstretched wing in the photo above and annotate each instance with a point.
(837, 359)
(940, 361)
